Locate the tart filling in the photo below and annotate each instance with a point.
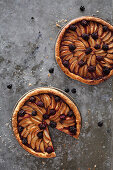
(84, 50)
(38, 110)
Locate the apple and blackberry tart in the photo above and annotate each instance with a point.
(84, 50)
(35, 112)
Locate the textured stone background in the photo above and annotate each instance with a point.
(26, 54)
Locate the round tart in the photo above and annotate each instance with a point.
(39, 109)
(84, 50)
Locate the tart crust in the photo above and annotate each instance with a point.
(57, 51)
(26, 98)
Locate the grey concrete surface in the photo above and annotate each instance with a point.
(26, 54)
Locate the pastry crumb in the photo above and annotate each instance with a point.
(48, 74)
(29, 84)
(65, 20)
(51, 38)
(46, 56)
(86, 124)
(7, 124)
(62, 21)
(110, 99)
(43, 162)
(89, 111)
(57, 25)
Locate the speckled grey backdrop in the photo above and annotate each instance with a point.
(26, 54)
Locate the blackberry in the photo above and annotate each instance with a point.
(82, 8)
(53, 124)
(51, 70)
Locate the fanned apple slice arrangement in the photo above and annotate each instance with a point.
(84, 50)
(36, 111)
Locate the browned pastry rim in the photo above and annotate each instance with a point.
(57, 51)
(36, 92)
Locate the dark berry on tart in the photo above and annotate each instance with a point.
(24, 141)
(72, 47)
(99, 58)
(40, 103)
(97, 46)
(91, 68)
(42, 126)
(105, 47)
(72, 27)
(72, 129)
(94, 35)
(21, 113)
(45, 116)
(105, 28)
(52, 112)
(88, 50)
(40, 135)
(65, 63)
(34, 113)
(49, 149)
(81, 63)
(70, 113)
(84, 23)
(85, 37)
(57, 98)
(62, 116)
(20, 129)
(53, 124)
(106, 70)
(32, 99)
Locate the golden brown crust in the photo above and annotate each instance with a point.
(36, 92)
(57, 51)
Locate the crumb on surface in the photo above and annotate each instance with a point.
(29, 84)
(7, 124)
(62, 21)
(48, 74)
(89, 111)
(57, 25)
(43, 162)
